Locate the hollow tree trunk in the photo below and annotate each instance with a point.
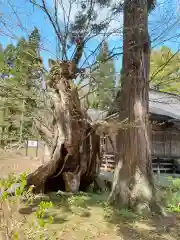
(133, 184)
(74, 144)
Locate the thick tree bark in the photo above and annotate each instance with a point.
(133, 184)
(75, 145)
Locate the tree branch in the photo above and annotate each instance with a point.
(56, 28)
(44, 132)
(164, 65)
(79, 51)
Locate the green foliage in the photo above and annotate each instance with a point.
(78, 201)
(104, 77)
(171, 196)
(6, 183)
(20, 68)
(13, 227)
(111, 213)
(34, 40)
(175, 184)
(13, 179)
(151, 5)
(23, 180)
(165, 70)
(175, 207)
(85, 22)
(1, 57)
(41, 213)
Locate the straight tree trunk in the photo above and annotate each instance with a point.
(21, 123)
(2, 126)
(133, 184)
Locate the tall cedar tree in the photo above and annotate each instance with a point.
(104, 78)
(20, 68)
(133, 185)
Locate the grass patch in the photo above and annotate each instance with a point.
(82, 216)
(170, 196)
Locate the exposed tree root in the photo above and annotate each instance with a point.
(75, 157)
(137, 193)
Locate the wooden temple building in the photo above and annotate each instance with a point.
(164, 111)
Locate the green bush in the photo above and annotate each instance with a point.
(172, 195)
(12, 226)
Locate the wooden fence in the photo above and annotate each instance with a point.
(35, 149)
(171, 166)
(159, 165)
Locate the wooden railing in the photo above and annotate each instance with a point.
(108, 163)
(159, 165)
(165, 165)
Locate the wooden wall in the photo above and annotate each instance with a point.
(165, 142)
(106, 144)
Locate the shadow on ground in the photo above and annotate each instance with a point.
(92, 211)
(130, 226)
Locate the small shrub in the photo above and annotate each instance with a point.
(171, 195)
(174, 208)
(108, 211)
(127, 214)
(116, 215)
(77, 201)
(42, 213)
(13, 226)
(174, 184)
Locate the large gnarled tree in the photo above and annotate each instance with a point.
(133, 184)
(74, 145)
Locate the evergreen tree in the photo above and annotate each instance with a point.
(34, 41)
(1, 58)
(104, 78)
(20, 65)
(30, 64)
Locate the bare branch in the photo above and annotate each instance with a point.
(46, 134)
(44, 8)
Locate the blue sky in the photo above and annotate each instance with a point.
(162, 27)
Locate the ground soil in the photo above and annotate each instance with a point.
(17, 162)
(88, 217)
